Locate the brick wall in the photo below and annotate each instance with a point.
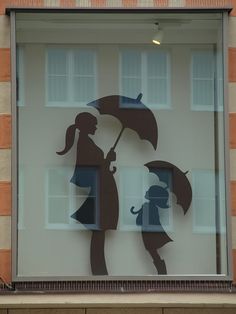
(5, 103)
(5, 149)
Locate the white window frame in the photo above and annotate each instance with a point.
(203, 107)
(72, 206)
(70, 102)
(144, 76)
(220, 199)
(133, 227)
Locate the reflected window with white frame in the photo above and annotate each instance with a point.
(70, 76)
(202, 80)
(203, 204)
(63, 199)
(147, 72)
(134, 183)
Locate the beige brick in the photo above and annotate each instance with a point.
(200, 311)
(46, 311)
(4, 31)
(5, 164)
(145, 3)
(176, 3)
(84, 3)
(234, 232)
(51, 3)
(5, 232)
(232, 31)
(114, 3)
(233, 164)
(125, 311)
(5, 97)
(232, 97)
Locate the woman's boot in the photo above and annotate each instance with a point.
(160, 266)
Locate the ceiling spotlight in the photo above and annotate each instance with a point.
(157, 38)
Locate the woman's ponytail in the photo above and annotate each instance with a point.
(70, 137)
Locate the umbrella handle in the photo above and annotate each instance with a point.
(118, 138)
(114, 146)
(113, 170)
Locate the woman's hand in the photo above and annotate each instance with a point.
(111, 156)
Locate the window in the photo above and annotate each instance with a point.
(203, 80)
(146, 72)
(70, 71)
(205, 187)
(62, 199)
(112, 190)
(134, 183)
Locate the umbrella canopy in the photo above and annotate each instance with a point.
(132, 113)
(175, 180)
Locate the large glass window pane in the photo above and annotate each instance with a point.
(120, 146)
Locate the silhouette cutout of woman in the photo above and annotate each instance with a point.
(100, 210)
(153, 234)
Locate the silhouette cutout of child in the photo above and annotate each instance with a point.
(153, 234)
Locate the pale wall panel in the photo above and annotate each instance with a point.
(5, 232)
(232, 31)
(5, 165)
(51, 3)
(176, 3)
(5, 97)
(83, 3)
(234, 233)
(4, 31)
(233, 164)
(232, 97)
(145, 3)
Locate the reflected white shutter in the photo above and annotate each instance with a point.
(146, 72)
(84, 74)
(203, 80)
(203, 203)
(157, 77)
(57, 75)
(131, 73)
(71, 76)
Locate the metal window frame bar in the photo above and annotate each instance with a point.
(122, 10)
(179, 278)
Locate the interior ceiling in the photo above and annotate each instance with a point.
(117, 21)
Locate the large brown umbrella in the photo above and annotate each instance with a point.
(175, 180)
(132, 114)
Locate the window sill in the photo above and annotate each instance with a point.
(151, 300)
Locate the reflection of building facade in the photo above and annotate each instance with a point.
(58, 71)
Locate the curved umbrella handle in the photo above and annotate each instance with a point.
(113, 170)
(118, 138)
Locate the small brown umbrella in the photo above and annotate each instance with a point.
(175, 180)
(132, 114)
